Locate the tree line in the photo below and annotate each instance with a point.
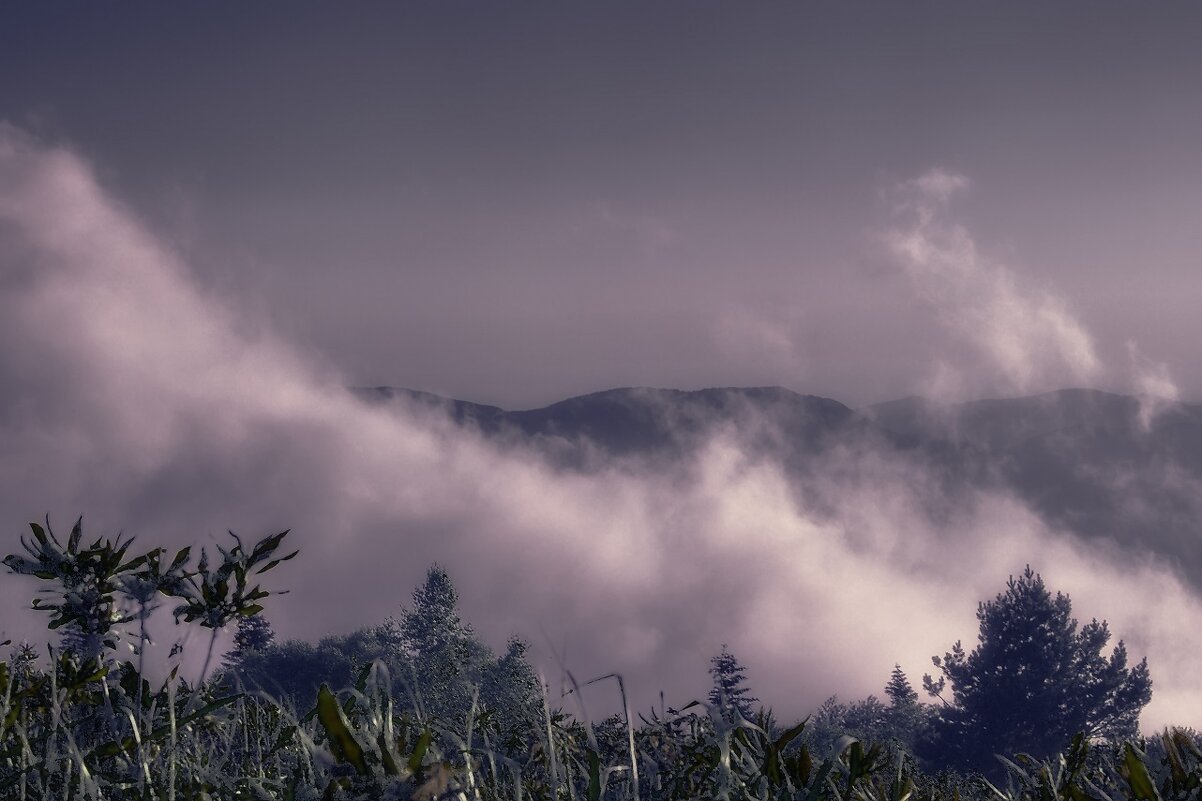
(1035, 679)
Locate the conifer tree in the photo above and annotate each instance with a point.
(1032, 683)
(899, 690)
(446, 656)
(254, 634)
(728, 691)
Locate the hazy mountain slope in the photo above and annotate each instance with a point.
(656, 423)
(1094, 463)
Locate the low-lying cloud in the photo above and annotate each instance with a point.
(137, 399)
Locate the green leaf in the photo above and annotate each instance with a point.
(594, 776)
(419, 751)
(790, 735)
(1136, 774)
(390, 766)
(1075, 793)
(342, 742)
(180, 558)
(818, 788)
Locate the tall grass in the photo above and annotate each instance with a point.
(89, 726)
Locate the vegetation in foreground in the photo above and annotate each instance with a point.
(418, 708)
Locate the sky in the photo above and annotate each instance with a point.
(214, 217)
(519, 203)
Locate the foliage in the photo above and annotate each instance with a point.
(899, 725)
(1033, 682)
(95, 729)
(437, 668)
(88, 724)
(293, 670)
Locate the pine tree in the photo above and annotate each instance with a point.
(511, 689)
(254, 634)
(899, 690)
(728, 691)
(446, 657)
(1033, 682)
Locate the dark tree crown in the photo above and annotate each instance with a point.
(1033, 681)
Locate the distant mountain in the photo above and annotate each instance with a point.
(1092, 462)
(653, 423)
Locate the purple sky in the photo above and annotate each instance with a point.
(213, 216)
(516, 204)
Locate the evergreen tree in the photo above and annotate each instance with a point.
(432, 657)
(905, 718)
(728, 691)
(1032, 682)
(445, 657)
(511, 691)
(899, 690)
(254, 634)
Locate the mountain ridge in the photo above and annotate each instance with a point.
(1107, 467)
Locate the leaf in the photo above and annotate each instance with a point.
(1136, 774)
(1077, 794)
(805, 766)
(342, 742)
(390, 766)
(594, 776)
(180, 558)
(76, 533)
(275, 562)
(790, 735)
(419, 751)
(818, 788)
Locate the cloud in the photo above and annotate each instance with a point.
(1153, 383)
(1021, 338)
(135, 398)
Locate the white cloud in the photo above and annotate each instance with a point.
(1022, 338)
(135, 398)
(1153, 384)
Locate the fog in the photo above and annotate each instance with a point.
(152, 406)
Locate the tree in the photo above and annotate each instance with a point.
(444, 656)
(432, 657)
(510, 689)
(294, 669)
(728, 691)
(254, 634)
(1033, 682)
(906, 720)
(899, 690)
